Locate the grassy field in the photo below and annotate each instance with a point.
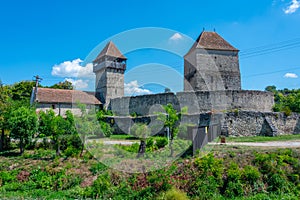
(263, 138)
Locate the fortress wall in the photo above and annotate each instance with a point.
(197, 102)
(245, 123)
(240, 123)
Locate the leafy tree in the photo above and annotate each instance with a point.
(56, 127)
(46, 122)
(23, 125)
(171, 119)
(86, 124)
(141, 131)
(286, 100)
(21, 91)
(66, 85)
(102, 115)
(4, 110)
(271, 88)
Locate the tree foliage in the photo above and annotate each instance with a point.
(286, 100)
(66, 85)
(21, 91)
(23, 124)
(171, 119)
(141, 131)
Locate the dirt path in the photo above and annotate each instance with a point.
(293, 143)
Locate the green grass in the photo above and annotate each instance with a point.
(123, 137)
(263, 138)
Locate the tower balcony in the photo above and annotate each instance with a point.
(109, 64)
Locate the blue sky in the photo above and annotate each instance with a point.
(51, 38)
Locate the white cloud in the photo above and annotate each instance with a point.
(290, 75)
(73, 69)
(78, 84)
(176, 37)
(293, 7)
(132, 88)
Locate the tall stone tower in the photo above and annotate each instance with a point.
(211, 64)
(109, 67)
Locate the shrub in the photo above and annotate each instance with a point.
(251, 174)
(101, 186)
(98, 168)
(175, 194)
(161, 142)
(234, 189)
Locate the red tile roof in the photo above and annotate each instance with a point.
(212, 40)
(110, 50)
(48, 95)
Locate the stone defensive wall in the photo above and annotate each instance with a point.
(197, 102)
(236, 123)
(244, 123)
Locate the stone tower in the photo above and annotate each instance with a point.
(211, 64)
(109, 67)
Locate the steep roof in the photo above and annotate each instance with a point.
(111, 50)
(49, 95)
(212, 41)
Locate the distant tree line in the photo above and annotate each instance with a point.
(20, 121)
(286, 100)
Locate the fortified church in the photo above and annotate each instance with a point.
(212, 84)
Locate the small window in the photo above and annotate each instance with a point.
(53, 106)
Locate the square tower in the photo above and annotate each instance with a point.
(109, 67)
(211, 64)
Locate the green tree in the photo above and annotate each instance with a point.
(141, 131)
(66, 85)
(106, 128)
(171, 119)
(46, 123)
(23, 124)
(4, 110)
(271, 88)
(86, 124)
(21, 91)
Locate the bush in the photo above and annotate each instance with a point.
(98, 168)
(175, 194)
(161, 142)
(234, 189)
(101, 186)
(251, 174)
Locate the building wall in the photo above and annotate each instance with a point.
(212, 70)
(197, 102)
(240, 124)
(61, 109)
(251, 123)
(109, 84)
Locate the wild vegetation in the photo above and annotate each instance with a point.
(286, 100)
(45, 156)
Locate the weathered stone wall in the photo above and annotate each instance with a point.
(243, 123)
(212, 70)
(62, 108)
(239, 123)
(197, 102)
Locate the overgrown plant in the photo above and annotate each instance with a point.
(141, 131)
(23, 125)
(171, 117)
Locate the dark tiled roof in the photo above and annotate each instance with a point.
(212, 40)
(110, 50)
(48, 95)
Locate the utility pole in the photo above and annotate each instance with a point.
(37, 80)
